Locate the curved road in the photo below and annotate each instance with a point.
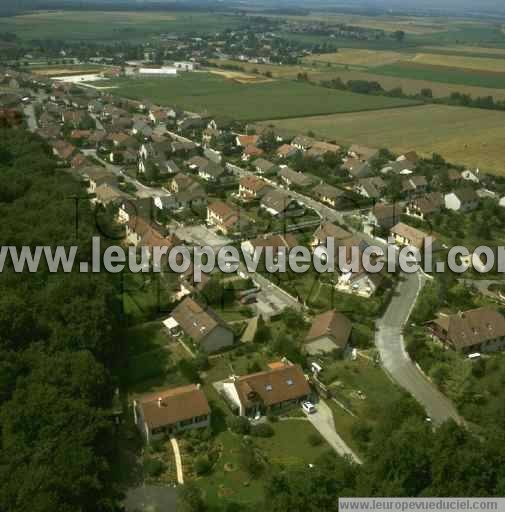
(390, 342)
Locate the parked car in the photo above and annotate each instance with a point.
(308, 407)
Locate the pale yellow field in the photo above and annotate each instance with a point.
(357, 57)
(372, 58)
(65, 71)
(118, 17)
(239, 76)
(467, 49)
(467, 136)
(277, 71)
(479, 63)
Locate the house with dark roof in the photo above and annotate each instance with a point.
(277, 242)
(362, 153)
(286, 151)
(280, 204)
(262, 166)
(384, 215)
(328, 230)
(405, 235)
(251, 187)
(357, 168)
(329, 195)
(462, 200)
(372, 187)
(425, 206)
(293, 178)
(475, 330)
(206, 329)
(169, 411)
(283, 385)
(329, 331)
(224, 217)
(302, 142)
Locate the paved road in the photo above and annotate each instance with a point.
(323, 421)
(324, 211)
(390, 342)
(142, 190)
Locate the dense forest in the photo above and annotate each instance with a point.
(56, 345)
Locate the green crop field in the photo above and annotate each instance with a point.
(227, 99)
(104, 26)
(468, 136)
(445, 74)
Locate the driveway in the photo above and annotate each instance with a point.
(390, 342)
(202, 236)
(323, 421)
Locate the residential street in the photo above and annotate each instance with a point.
(323, 421)
(390, 342)
(142, 190)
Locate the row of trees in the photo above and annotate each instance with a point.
(426, 94)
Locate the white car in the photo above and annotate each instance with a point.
(308, 407)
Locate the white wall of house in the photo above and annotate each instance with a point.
(230, 391)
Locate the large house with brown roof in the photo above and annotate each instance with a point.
(284, 384)
(280, 204)
(475, 330)
(328, 194)
(224, 217)
(404, 234)
(425, 206)
(170, 411)
(329, 331)
(204, 326)
(328, 230)
(251, 187)
(295, 179)
(277, 242)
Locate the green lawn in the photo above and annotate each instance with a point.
(444, 74)
(289, 446)
(223, 98)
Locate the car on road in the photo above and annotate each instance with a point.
(308, 407)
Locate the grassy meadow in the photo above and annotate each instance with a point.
(116, 25)
(462, 135)
(225, 98)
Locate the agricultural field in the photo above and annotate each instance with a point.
(409, 85)
(456, 61)
(358, 57)
(445, 74)
(227, 99)
(103, 26)
(65, 69)
(375, 58)
(467, 136)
